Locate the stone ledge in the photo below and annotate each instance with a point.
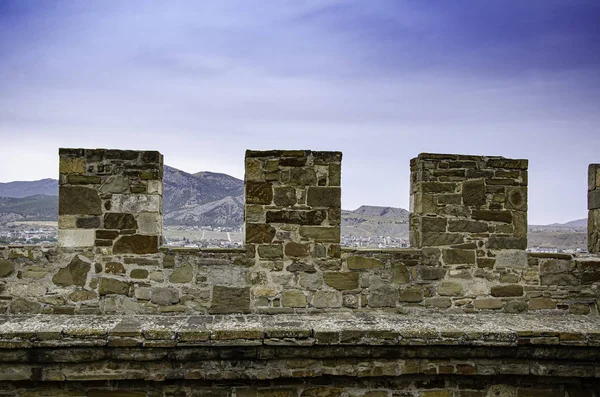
(501, 330)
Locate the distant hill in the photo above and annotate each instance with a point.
(372, 210)
(38, 208)
(370, 221)
(19, 189)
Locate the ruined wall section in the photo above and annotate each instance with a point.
(594, 208)
(110, 199)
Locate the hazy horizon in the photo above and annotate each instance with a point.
(381, 81)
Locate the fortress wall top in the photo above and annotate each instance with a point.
(594, 208)
(111, 199)
(292, 262)
(470, 206)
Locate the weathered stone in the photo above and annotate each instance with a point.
(400, 274)
(430, 256)
(107, 234)
(382, 295)
(6, 268)
(321, 234)
(302, 177)
(75, 273)
(515, 307)
(297, 266)
(139, 273)
(341, 280)
(594, 199)
(449, 288)
(227, 300)
(119, 221)
(259, 192)
(253, 172)
(24, 306)
(430, 224)
(293, 298)
(411, 294)
(458, 256)
(432, 273)
(508, 163)
(114, 268)
(507, 290)
(440, 303)
(441, 239)
(297, 249)
(76, 179)
(473, 192)
(136, 244)
(284, 196)
(83, 295)
(164, 296)
(507, 243)
(520, 223)
(495, 216)
(88, 222)
(516, 198)
(327, 299)
(310, 281)
(438, 187)
(465, 225)
(313, 217)
(135, 203)
(487, 303)
(258, 233)
(149, 223)
(183, 274)
(112, 286)
(324, 197)
(76, 238)
(71, 165)
(541, 304)
(272, 251)
(362, 262)
(559, 279)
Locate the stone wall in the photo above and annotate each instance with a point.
(594, 208)
(468, 224)
(110, 199)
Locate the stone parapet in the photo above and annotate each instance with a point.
(110, 199)
(594, 208)
(469, 207)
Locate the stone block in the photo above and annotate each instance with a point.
(441, 239)
(494, 216)
(512, 259)
(24, 306)
(362, 263)
(75, 273)
(284, 196)
(465, 225)
(400, 274)
(227, 300)
(162, 296)
(271, 251)
(139, 274)
(473, 192)
(259, 233)
(300, 217)
(71, 165)
(7, 268)
(297, 249)
(488, 303)
(76, 238)
(76, 179)
(449, 288)
(458, 256)
(516, 198)
(93, 222)
(120, 221)
(594, 199)
(321, 233)
(78, 200)
(541, 304)
(507, 290)
(302, 177)
(182, 274)
(113, 286)
(259, 192)
(327, 299)
(508, 163)
(341, 280)
(430, 224)
(293, 298)
(136, 244)
(412, 294)
(135, 203)
(382, 295)
(507, 243)
(149, 223)
(324, 197)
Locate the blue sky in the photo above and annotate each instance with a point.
(382, 81)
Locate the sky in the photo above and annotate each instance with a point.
(381, 81)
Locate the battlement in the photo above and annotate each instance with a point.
(465, 311)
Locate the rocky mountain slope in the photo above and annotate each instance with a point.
(19, 189)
